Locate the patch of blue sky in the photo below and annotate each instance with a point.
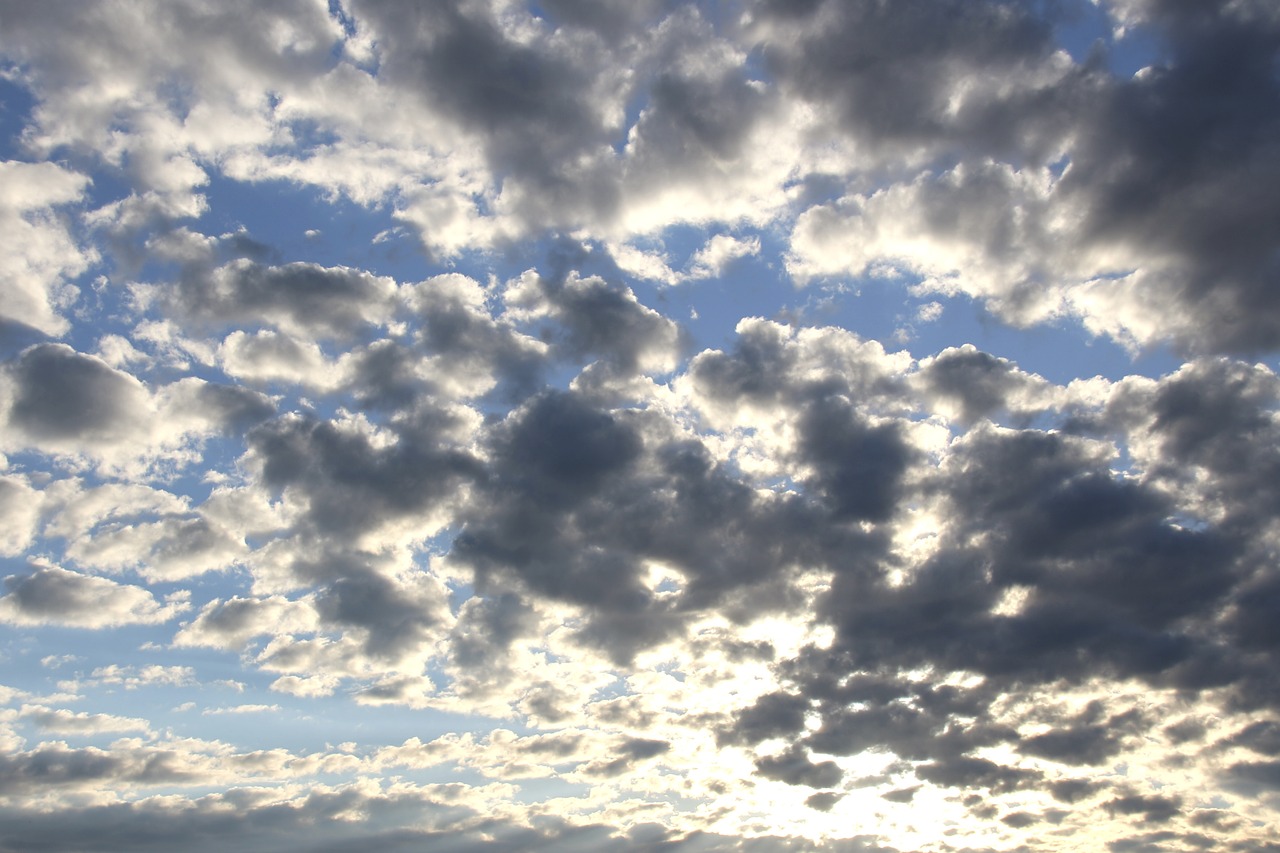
(1060, 350)
(340, 720)
(459, 594)
(25, 656)
(302, 223)
(613, 690)
(1086, 26)
(16, 105)
(540, 790)
(223, 700)
(672, 668)
(876, 309)
(711, 308)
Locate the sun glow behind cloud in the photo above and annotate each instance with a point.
(363, 483)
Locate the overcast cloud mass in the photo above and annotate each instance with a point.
(651, 425)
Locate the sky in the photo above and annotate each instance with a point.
(648, 425)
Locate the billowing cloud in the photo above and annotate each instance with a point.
(56, 596)
(60, 401)
(40, 254)
(503, 407)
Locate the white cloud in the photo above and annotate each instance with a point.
(720, 251)
(19, 514)
(39, 254)
(133, 677)
(241, 709)
(652, 266)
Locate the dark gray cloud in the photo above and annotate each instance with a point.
(612, 19)
(234, 408)
(1089, 738)
(963, 771)
(578, 500)
(1161, 228)
(823, 801)
(977, 383)
(1153, 809)
(858, 467)
(1182, 160)
(67, 396)
(459, 328)
(318, 824)
(889, 75)
(1074, 790)
(300, 296)
(540, 115)
(1020, 820)
(351, 483)
(630, 752)
(590, 318)
(350, 486)
(486, 627)
(795, 767)
(697, 121)
(1048, 570)
(55, 596)
(55, 766)
(1262, 737)
(1264, 775)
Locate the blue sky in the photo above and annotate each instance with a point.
(659, 425)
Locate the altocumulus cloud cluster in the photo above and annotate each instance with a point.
(755, 425)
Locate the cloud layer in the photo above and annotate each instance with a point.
(467, 425)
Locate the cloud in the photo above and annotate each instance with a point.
(61, 398)
(907, 84)
(560, 572)
(20, 514)
(242, 709)
(55, 596)
(131, 677)
(796, 768)
(713, 259)
(404, 819)
(598, 319)
(976, 384)
(1130, 236)
(299, 298)
(63, 402)
(233, 623)
(40, 254)
(64, 722)
(353, 479)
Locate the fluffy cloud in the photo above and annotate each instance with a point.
(1136, 228)
(553, 570)
(40, 254)
(66, 403)
(55, 596)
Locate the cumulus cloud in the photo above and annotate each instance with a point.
(56, 596)
(20, 511)
(1129, 236)
(60, 401)
(40, 254)
(340, 388)
(64, 722)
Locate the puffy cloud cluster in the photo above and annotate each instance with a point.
(786, 589)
